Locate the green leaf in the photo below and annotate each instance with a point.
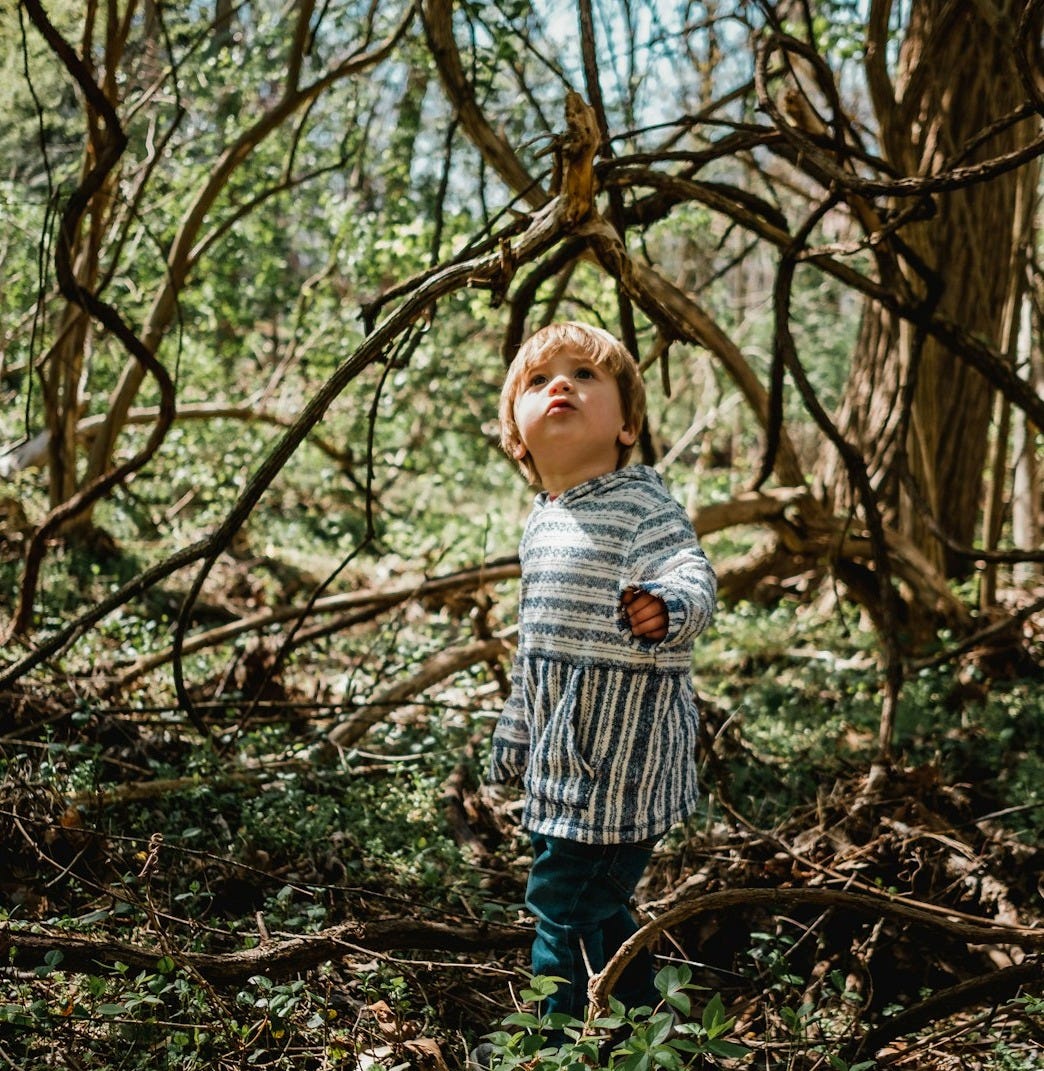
(673, 977)
(526, 1020)
(562, 1021)
(661, 1025)
(541, 986)
(714, 1016)
(681, 1002)
(729, 1050)
(685, 1045)
(531, 1044)
(609, 1022)
(638, 1062)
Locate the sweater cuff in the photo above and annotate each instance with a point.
(677, 612)
(677, 617)
(507, 765)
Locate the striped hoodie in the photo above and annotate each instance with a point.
(601, 728)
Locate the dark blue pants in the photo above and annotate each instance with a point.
(580, 895)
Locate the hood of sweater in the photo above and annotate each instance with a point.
(607, 481)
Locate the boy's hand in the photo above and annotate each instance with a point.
(646, 614)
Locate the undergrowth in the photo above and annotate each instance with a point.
(255, 839)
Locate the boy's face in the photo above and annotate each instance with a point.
(570, 418)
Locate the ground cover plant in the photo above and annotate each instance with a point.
(259, 907)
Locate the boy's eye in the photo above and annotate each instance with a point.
(585, 373)
(537, 380)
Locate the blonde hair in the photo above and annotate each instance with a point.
(601, 348)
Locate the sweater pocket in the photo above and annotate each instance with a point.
(566, 761)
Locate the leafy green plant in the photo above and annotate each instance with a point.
(770, 953)
(271, 1006)
(627, 1039)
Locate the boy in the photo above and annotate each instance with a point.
(601, 725)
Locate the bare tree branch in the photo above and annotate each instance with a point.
(277, 959)
(438, 25)
(108, 153)
(933, 919)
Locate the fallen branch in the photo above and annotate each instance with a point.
(806, 540)
(749, 507)
(453, 793)
(776, 900)
(992, 989)
(275, 959)
(138, 791)
(374, 599)
(437, 668)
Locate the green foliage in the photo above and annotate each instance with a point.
(627, 1039)
(839, 28)
(173, 1012)
(23, 132)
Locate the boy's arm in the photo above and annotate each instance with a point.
(510, 753)
(670, 595)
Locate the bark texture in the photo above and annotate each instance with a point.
(956, 75)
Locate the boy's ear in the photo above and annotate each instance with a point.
(627, 437)
(519, 451)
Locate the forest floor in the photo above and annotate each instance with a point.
(892, 921)
(853, 929)
(171, 905)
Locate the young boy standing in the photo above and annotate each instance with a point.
(601, 727)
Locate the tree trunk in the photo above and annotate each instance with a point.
(64, 370)
(1027, 494)
(956, 75)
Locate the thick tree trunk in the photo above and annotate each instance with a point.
(956, 75)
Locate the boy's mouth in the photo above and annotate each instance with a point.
(558, 404)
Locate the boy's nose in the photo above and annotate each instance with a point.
(560, 383)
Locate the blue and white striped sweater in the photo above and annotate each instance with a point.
(601, 728)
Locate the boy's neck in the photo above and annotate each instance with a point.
(555, 487)
(557, 483)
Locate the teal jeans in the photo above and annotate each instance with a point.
(580, 895)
